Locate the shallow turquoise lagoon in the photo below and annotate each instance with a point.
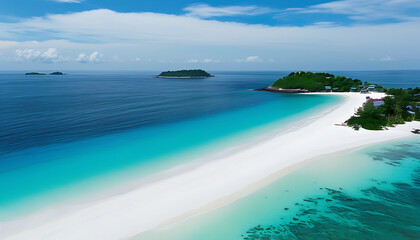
(372, 193)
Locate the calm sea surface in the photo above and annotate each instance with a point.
(60, 133)
(370, 194)
(43, 110)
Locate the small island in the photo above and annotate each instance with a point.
(197, 73)
(56, 73)
(37, 73)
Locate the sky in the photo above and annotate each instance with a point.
(213, 35)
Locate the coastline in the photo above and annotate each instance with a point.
(378, 168)
(147, 207)
(252, 124)
(281, 90)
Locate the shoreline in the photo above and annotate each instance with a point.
(186, 194)
(121, 181)
(281, 90)
(195, 158)
(253, 187)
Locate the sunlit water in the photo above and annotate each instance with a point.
(372, 193)
(62, 137)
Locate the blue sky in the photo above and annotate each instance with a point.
(215, 35)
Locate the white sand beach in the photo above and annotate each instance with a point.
(210, 185)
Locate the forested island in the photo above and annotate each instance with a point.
(56, 73)
(197, 73)
(37, 73)
(299, 82)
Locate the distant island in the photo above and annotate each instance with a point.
(197, 73)
(37, 73)
(301, 82)
(56, 73)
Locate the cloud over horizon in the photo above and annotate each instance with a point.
(207, 11)
(88, 36)
(107, 26)
(94, 57)
(48, 56)
(366, 10)
(249, 59)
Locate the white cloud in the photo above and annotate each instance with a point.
(249, 59)
(206, 11)
(366, 10)
(8, 44)
(95, 57)
(386, 59)
(325, 24)
(51, 53)
(253, 59)
(163, 36)
(49, 56)
(207, 60)
(68, 1)
(165, 61)
(106, 26)
(137, 59)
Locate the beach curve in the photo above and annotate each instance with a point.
(212, 184)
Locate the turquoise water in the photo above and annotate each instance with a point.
(67, 138)
(373, 193)
(33, 178)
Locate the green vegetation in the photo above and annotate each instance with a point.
(368, 117)
(315, 82)
(186, 73)
(395, 110)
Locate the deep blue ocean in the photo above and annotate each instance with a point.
(63, 136)
(43, 110)
(58, 134)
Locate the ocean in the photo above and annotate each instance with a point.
(372, 193)
(68, 136)
(62, 137)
